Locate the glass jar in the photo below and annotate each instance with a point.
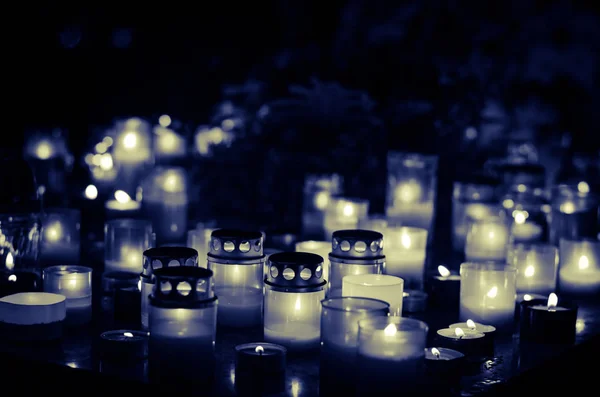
(317, 191)
(60, 236)
(236, 259)
(125, 240)
(354, 252)
(536, 265)
(574, 214)
(528, 211)
(75, 283)
(487, 240)
(20, 236)
(199, 239)
(579, 270)
(344, 213)
(183, 315)
(132, 153)
(294, 288)
(158, 258)
(405, 255)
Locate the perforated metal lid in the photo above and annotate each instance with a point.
(157, 258)
(182, 287)
(236, 246)
(298, 271)
(357, 244)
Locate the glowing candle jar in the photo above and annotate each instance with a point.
(122, 206)
(411, 190)
(60, 236)
(294, 288)
(354, 252)
(487, 240)
(344, 213)
(579, 270)
(317, 191)
(321, 248)
(377, 223)
(545, 321)
(183, 319)
(21, 235)
(165, 201)
(339, 340)
(487, 294)
(405, 253)
(125, 240)
(574, 213)
(132, 152)
(377, 286)
(158, 258)
(236, 259)
(529, 215)
(390, 348)
(536, 265)
(48, 156)
(75, 283)
(168, 144)
(199, 239)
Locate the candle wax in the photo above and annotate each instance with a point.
(499, 314)
(239, 307)
(545, 308)
(412, 214)
(294, 336)
(573, 279)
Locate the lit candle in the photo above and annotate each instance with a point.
(488, 330)
(444, 365)
(579, 271)
(132, 146)
(125, 240)
(536, 266)
(124, 354)
(260, 367)
(470, 343)
(122, 206)
(574, 213)
(405, 252)
(75, 283)
(168, 144)
(32, 316)
(321, 248)
(548, 323)
(344, 213)
(487, 240)
(445, 289)
(317, 191)
(199, 239)
(60, 236)
(523, 230)
(377, 286)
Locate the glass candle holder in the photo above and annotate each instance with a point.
(236, 259)
(527, 174)
(389, 289)
(339, 340)
(487, 294)
(132, 153)
(377, 223)
(354, 252)
(411, 190)
(487, 240)
(125, 240)
(344, 213)
(49, 157)
(20, 248)
(317, 191)
(165, 202)
(75, 283)
(199, 239)
(321, 248)
(528, 212)
(294, 288)
(169, 145)
(60, 236)
(122, 206)
(390, 348)
(574, 214)
(158, 258)
(405, 254)
(183, 319)
(579, 270)
(536, 266)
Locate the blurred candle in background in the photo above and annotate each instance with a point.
(75, 283)
(168, 144)
(125, 241)
(317, 191)
(122, 206)
(405, 252)
(344, 213)
(132, 153)
(487, 240)
(536, 266)
(579, 270)
(61, 236)
(199, 239)
(574, 213)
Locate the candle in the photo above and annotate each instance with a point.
(471, 343)
(488, 330)
(414, 301)
(318, 189)
(111, 282)
(125, 240)
(60, 236)
(321, 248)
(444, 289)
(487, 240)
(168, 144)
(525, 231)
(536, 266)
(133, 145)
(32, 316)
(344, 213)
(487, 294)
(199, 239)
(260, 368)
(122, 206)
(405, 252)
(579, 271)
(13, 282)
(377, 223)
(574, 214)
(377, 286)
(547, 322)
(390, 348)
(124, 354)
(444, 367)
(464, 215)
(75, 283)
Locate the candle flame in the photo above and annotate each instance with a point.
(91, 192)
(406, 241)
(567, 208)
(54, 232)
(520, 217)
(128, 334)
(139, 285)
(471, 324)
(10, 261)
(348, 210)
(122, 197)
(298, 304)
(12, 277)
(527, 297)
(529, 271)
(443, 270)
(130, 140)
(44, 150)
(584, 262)
(435, 352)
(583, 187)
(552, 301)
(492, 293)
(321, 200)
(390, 330)
(491, 234)
(459, 332)
(260, 350)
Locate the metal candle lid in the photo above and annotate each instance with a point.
(157, 258)
(295, 271)
(182, 287)
(236, 246)
(357, 244)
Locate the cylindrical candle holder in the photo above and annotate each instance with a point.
(376, 286)
(183, 319)
(536, 266)
(321, 248)
(444, 367)
(339, 341)
(548, 321)
(157, 258)
(199, 239)
(124, 354)
(487, 240)
(294, 288)
(317, 191)
(444, 289)
(75, 283)
(488, 331)
(529, 216)
(579, 270)
(236, 259)
(390, 348)
(60, 236)
(471, 343)
(165, 202)
(574, 214)
(125, 240)
(354, 252)
(487, 294)
(344, 213)
(260, 368)
(405, 255)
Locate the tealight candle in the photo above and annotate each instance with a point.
(414, 301)
(525, 298)
(536, 266)
(487, 330)
(487, 240)
(321, 248)
(444, 289)
(122, 206)
(376, 286)
(547, 322)
(125, 241)
(444, 365)
(124, 353)
(390, 348)
(318, 189)
(13, 282)
(60, 236)
(32, 316)
(487, 294)
(75, 283)
(579, 270)
(344, 213)
(260, 368)
(405, 252)
(470, 343)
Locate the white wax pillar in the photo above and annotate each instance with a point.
(405, 251)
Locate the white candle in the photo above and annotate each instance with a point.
(122, 203)
(344, 213)
(377, 286)
(526, 231)
(75, 283)
(579, 271)
(168, 143)
(294, 336)
(405, 252)
(132, 146)
(321, 248)
(60, 238)
(412, 214)
(487, 241)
